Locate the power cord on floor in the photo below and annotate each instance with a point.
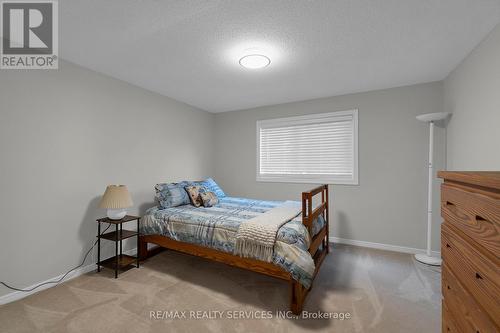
(62, 277)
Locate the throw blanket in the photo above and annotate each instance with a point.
(256, 236)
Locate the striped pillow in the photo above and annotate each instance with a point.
(212, 186)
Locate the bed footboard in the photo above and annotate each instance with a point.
(297, 292)
(309, 214)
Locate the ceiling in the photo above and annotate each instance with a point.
(189, 49)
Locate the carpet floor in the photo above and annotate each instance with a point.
(380, 291)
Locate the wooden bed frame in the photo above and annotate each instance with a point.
(298, 293)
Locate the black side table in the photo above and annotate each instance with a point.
(120, 261)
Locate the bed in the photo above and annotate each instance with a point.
(300, 245)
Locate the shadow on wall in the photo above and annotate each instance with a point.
(88, 228)
(145, 206)
(343, 226)
(445, 136)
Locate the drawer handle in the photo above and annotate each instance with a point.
(478, 276)
(456, 211)
(449, 288)
(481, 219)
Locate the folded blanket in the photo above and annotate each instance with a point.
(256, 236)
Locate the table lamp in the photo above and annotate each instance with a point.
(116, 199)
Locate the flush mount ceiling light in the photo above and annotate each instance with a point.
(255, 61)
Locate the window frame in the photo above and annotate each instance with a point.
(310, 179)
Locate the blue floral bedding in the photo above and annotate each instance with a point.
(216, 227)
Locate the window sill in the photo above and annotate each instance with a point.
(302, 180)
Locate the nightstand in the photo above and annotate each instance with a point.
(120, 262)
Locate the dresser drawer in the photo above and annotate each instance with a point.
(476, 214)
(448, 324)
(462, 307)
(478, 274)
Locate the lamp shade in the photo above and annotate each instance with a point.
(116, 197)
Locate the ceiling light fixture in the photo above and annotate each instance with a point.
(255, 61)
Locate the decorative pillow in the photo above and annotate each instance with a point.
(212, 186)
(209, 199)
(172, 194)
(194, 192)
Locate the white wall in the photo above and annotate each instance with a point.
(389, 205)
(472, 93)
(64, 135)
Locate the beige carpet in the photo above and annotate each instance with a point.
(382, 291)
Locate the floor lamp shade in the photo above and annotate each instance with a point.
(116, 199)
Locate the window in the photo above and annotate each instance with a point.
(319, 148)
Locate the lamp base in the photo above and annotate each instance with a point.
(116, 214)
(423, 258)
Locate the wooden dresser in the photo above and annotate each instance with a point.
(470, 247)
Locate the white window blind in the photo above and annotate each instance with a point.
(320, 148)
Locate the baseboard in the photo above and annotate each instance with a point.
(17, 295)
(380, 246)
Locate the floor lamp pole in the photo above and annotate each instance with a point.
(427, 258)
(429, 194)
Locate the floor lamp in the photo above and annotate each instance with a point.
(430, 118)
